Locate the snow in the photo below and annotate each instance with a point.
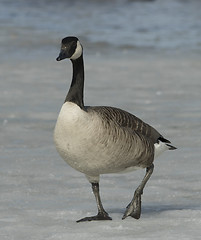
(42, 197)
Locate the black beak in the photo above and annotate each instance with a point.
(58, 58)
(62, 56)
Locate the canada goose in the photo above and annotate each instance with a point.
(100, 140)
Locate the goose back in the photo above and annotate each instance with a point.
(128, 121)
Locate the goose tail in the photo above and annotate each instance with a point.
(170, 147)
(164, 140)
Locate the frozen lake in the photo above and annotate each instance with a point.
(41, 196)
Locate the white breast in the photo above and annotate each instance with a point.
(75, 136)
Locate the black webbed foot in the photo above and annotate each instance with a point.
(134, 208)
(98, 217)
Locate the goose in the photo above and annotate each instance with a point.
(97, 140)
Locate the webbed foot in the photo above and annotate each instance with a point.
(134, 208)
(98, 217)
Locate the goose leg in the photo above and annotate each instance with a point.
(134, 208)
(102, 214)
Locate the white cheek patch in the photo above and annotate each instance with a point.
(78, 51)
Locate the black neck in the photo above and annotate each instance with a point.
(75, 93)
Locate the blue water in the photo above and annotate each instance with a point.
(28, 25)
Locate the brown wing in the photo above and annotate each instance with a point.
(127, 120)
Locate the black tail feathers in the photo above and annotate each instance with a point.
(162, 139)
(171, 147)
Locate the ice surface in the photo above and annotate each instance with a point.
(42, 197)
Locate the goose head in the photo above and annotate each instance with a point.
(70, 48)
